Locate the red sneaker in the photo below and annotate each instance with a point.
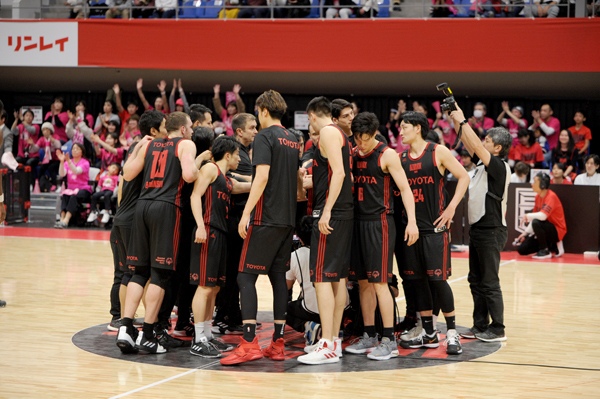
(245, 352)
(275, 351)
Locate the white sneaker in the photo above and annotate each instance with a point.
(105, 216)
(93, 216)
(412, 333)
(322, 355)
(338, 347)
(311, 348)
(561, 249)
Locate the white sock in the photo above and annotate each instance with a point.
(207, 329)
(199, 329)
(434, 322)
(329, 344)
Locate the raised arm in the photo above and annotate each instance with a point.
(186, 105)
(172, 95)
(217, 100)
(238, 100)
(139, 84)
(117, 91)
(162, 86)
(470, 139)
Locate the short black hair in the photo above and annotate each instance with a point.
(337, 106)
(319, 106)
(526, 133)
(3, 114)
(203, 137)
(304, 228)
(112, 104)
(132, 101)
(224, 145)
(522, 168)
(117, 164)
(561, 166)
(197, 112)
(365, 123)
(150, 119)
(595, 157)
(298, 134)
(416, 119)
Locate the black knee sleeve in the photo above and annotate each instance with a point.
(444, 295)
(280, 294)
(160, 277)
(248, 298)
(411, 299)
(424, 301)
(140, 276)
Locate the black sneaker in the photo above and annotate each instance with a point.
(471, 334)
(114, 325)
(126, 340)
(233, 329)
(406, 324)
(168, 341)
(204, 349)
(542, 254)
(150, 345)
(2, 304)
(218, 327)
(184, 331)
(422, 341)
(489, 336)
(220, 345)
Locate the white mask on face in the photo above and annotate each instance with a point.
(218, 131)
(478, 113)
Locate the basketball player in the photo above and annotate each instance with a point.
(166, 164)
(342, 114)
(201, 116)
(270, 212)
(427, 263)
(374, 166)
(152, 123)
(210, 205)
(2, 209)
(332, 229)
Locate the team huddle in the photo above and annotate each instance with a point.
(366, 202)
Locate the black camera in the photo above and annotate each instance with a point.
(449, 103)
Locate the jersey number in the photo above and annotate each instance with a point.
(418, 194)
(360, 193)
(159, 164)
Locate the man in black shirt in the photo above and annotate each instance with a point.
(270, 214)
(488, 194)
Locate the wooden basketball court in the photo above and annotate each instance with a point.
(57, 283)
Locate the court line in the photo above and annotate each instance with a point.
(463, 277)
(165, 380)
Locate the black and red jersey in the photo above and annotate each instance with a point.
(309, 192)
(163, 179)
(372, 187)
(427, 185)
(215, 202)
(276, 147)
(343, 209)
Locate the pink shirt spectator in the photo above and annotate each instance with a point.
(513, 129)
(108, 158)
(59, 131)
(78, 136)
(80, 181)
(108, 182)
(486, 123)
(49, 151)
(24, 147)
(554, 123)
(227, 121)
(448, 131)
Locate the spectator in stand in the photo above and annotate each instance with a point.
(547, 226)
(368, 9)
(339, 9)
(512, 9)
(231, 10)
(479, 122)
(131, 130)
(559, 175)
(181, 105)
(582, 135)
(111, 151)
(101, 126)
(78, 9)
(58, 119)
(256, 9)
(48, 161)
(528, 150)
(118, 8)
(467, 161)
(233, 106)
(160, 103)
(486, 9)
(514, 122)
(446, 125)
(28, 134)
(422, 108)
(77, 171)
(108, 184)
(124, 114)
(591, 177)
(298, 12)
(549, 125)
(566, 153)
(540, 138)
(442, 9)
(521, 172)
(541, 8)
(8, 158)
(164, 9)
(143, 8)
(79, 125)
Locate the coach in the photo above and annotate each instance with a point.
(488, 193)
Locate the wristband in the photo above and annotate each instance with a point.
(2, 197)
(162, 93)
(464, 122)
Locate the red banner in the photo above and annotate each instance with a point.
(392, 45)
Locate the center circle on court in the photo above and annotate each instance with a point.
(98, 340)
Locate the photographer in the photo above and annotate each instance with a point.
(488, 194)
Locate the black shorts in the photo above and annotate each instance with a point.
(373, 249)
(267, 248)
(208, 261)
(119, 240)
(155, 235)
(428, 258)
(330, 254)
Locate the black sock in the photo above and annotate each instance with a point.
(450, 322)
(279, 329)
(388, 333)
(148, 330)
(249, 332)
(370, 330)
(427, 324)
(127, 322)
